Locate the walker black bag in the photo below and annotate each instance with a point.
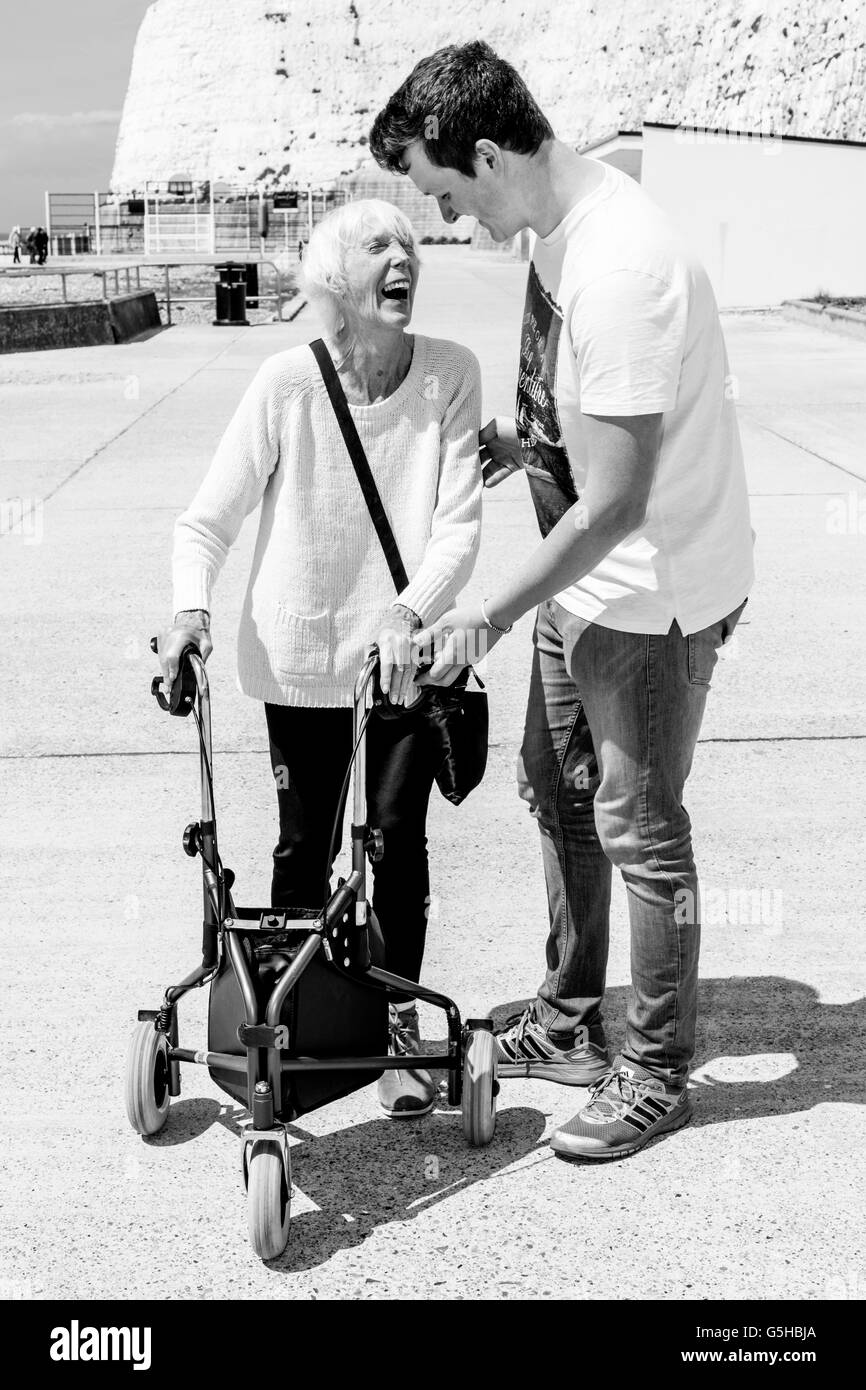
(459, 718)
(327, 1014)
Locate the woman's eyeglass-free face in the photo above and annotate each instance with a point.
(382, 276)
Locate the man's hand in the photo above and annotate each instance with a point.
(192, 625)
(397, 658)
(499, 450)
(460, 638)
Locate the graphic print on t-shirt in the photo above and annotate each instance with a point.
(544, 455)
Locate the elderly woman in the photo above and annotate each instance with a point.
(321, 591)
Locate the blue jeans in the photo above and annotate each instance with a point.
(611, 727)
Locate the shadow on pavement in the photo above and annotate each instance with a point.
(385, 1170)
(765, 1046)
(146, 335)
(372, 1173)
(189, 1119)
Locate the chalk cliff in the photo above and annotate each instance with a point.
(275, 92)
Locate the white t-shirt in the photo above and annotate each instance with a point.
(620, 319)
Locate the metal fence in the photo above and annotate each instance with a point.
(222, 219)
(93, 223)
(197, 217)
(158, 274)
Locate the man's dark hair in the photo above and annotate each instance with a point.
(456, 96)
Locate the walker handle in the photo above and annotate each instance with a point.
(182, 695)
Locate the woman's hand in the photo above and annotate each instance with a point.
(398, 658)
(459, 639)
(192, 625)
(499, 450)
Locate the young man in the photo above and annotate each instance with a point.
(627, 434)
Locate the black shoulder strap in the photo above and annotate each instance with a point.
(360, 464)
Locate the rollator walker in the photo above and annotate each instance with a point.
(298, 1008)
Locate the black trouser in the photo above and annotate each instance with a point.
(310, 751)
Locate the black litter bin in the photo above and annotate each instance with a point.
(252, 285)
(231, 296)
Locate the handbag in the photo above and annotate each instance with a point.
(457, 717)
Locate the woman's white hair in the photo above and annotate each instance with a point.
(322, 277)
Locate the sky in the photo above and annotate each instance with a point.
(64, 67)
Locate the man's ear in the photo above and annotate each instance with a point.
(489, 153)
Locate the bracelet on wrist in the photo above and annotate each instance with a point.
(408, 615)
(495, 626)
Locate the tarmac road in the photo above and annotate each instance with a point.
(760, 1197)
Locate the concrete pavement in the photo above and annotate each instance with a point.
(758, 1198)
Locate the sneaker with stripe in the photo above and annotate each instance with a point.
(626, 1109)
(525, 1050)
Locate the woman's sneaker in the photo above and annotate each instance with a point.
(625, 1111)
(524, 1049)
(405, 1094)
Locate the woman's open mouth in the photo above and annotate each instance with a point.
(397, 289)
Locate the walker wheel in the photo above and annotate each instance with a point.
(269, 1200)
(146, 1086)
(479, 1087)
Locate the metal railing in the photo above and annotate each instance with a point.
(278, 295)
(105, 273)
(41, 272)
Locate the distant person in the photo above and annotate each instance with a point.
(30, 245)
(41, 246)
(300, 250)
(15, 240)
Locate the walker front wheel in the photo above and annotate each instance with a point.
(146, 1086)
(479, 1087)
(269, 1200)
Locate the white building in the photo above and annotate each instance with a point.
(771, 217)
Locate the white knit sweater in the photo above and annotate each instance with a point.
(320, 585)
